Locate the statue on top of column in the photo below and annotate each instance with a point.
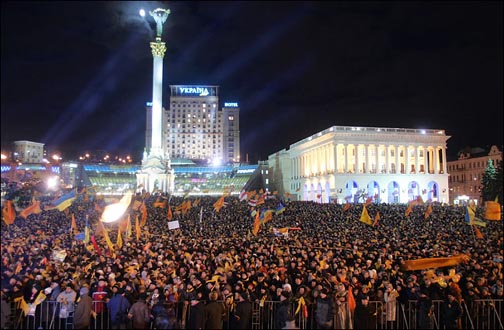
(160, 15)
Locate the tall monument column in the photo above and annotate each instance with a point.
(156, 173)
(158, 50)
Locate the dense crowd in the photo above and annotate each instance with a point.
(214, 257)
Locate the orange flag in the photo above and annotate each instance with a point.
(170, 214)
(119, 241)
(351, 299)
(128, 227)
(107, 238)
(428, 211)
(8, 213)
(368, 201)
(137, 228)
(268, 215)
(376, 219)
(143, 210)
(426, 263)
(257, 224)
(34, 208)
(478, 233)
(493, 211)
(74, 225)
(346, 207)
(409, 210)
(219, 204)
(365, 216)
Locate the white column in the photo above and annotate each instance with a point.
(157, 104)
(357, 159)
(387, 159)
(436, 161)
(336, 158)
(417, 158)
(398, 165)
(377, 158)
(368, 159)
(407, 160)
(426, 163)
(444, 160)
(346, 158)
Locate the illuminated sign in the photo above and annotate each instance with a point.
(246, 171)
(202, 91)
(148, 104)
(231, 104)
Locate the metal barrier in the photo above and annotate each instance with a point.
(477, 314)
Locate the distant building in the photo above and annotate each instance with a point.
(351, 164)
(194, 127)
(466, 172)
(28, 151)
(190, 178)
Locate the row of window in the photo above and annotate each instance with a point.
(476, 164)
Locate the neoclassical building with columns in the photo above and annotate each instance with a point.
(344, 163)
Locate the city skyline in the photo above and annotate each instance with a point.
(77, 75)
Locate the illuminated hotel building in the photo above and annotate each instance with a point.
(467, 171)
(28, 151)
(390, 165)
(195, 128)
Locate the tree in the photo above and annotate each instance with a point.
(498, 183)
(489, 182)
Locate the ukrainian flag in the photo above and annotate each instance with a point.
(280, 209)
(65, 201)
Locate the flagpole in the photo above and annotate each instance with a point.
(472, 230)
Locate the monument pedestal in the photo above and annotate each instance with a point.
(156, 175)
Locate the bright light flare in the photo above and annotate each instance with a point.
(114, 212)
(142, 12)
(52, 182)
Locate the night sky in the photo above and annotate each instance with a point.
(76, 75)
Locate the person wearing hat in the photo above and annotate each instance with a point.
(139, 313)
(324, 310)
(425, 309)
(118, 307)
(67, 302)
(83, 311)
(282, 312)
(451, 312)
(364, 315)
(243, 311)
(214, 312)
(197, 313)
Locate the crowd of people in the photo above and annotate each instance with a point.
(215, 267)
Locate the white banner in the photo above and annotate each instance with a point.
(173, 224)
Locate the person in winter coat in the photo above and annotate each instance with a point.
(197, 312)
(243, 311)
(282, 312)
(324, 310)
(118, 306)
(451, 312)
(139, 313)
(214, 312)
(83, 311)
(364, 317)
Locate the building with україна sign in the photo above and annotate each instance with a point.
(352, 164)
(195, 127)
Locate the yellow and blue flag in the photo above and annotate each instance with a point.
(65, 201)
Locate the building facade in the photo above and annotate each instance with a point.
(28, 151)
(195, 128)
(351, 164)
(467, 171)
